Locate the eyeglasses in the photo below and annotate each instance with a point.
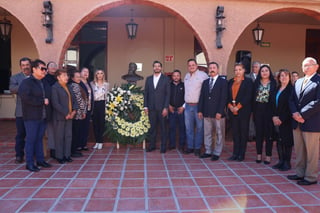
(43, 68)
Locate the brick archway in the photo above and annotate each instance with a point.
(108, 6)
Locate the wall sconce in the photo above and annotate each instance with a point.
(219, 25)
(258, 34)
(47, 20)
(5, 29)
(132, 28)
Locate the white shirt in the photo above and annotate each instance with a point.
(156, 80)
(192, 86)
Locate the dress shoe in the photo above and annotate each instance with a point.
(285, 167)
(162, 151)
(240, 159)
(19, 159)
(215, 157)
(67, 159)
(197, 152)
(95, 146)
(233, 157)
(258, 160)
(100, 145)
(76, 154)
(205, 155)
(278, 165)
(32, 168)
(61, 161)
(44, 164)
(85, 148)
(294, 177)
(306, 183)
(188, 151)
(172, 147)
(150, 149)
(267, 160)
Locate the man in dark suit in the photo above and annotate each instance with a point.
(304, 105)
(156, 103)
(211, 108)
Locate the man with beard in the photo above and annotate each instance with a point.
(156, 103)
(15, 82)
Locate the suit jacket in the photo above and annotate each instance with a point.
(211, 103)
(32, 99)
(157, 98)
(60, 102)
(251, 76)
(282, 110)
(307, 103)
(244, 97)
(87, 92)
(15, 82)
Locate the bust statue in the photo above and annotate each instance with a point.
(132, 77)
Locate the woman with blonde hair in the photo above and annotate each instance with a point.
(100, 90)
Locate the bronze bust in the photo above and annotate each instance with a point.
(132, 77)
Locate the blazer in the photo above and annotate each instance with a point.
(87, 92)
(244, 97)
(15, 82)
(307, 103)
(273, 86)
(32, 99)
(60, 102)
(157, 98)
(211, 103)
(283, 112)
(251, 76)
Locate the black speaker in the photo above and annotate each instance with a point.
(244, 57)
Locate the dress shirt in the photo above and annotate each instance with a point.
(156, 80)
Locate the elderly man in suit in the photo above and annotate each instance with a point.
(304, 104)
(156, 103)
(211, 108)
(15, 81)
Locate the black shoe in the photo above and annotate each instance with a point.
(294, 177)
(278, 165)
(162, 151)
(85, 148)
(306, 183)
(240, 159)
(76, 154)
(172, 147)
(233, 157)
(215, 157)
(44, 164)
(266, 162)
(19, 160)
(197, 152)
(205, 155)
(68, 159)
(32, 168)
(188, 151)
(285, 166)
(61, 161)
(150, 149)
(53, 153)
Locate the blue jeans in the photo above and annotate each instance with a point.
(174, 119)
(35, 130)
(20, 137)
(194, 127)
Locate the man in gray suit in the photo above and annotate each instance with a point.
(15, 81)
(156, 103)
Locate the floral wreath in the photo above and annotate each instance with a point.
(126, 122)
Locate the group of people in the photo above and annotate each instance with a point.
(61, 102)
(280, 109)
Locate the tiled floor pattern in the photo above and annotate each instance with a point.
(130, 180)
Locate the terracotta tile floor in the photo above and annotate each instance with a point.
(131, 180)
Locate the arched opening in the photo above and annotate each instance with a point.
(286, 39)
(162, 35)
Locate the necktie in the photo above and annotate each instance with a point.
(304, 83)
(211, 84)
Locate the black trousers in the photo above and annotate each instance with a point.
(240, 131)
(77, 129)
(98, 120)
(264, 127)
(156, 119)
(85, 125)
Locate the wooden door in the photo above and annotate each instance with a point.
(313, 44)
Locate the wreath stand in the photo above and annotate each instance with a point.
(143, 145)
